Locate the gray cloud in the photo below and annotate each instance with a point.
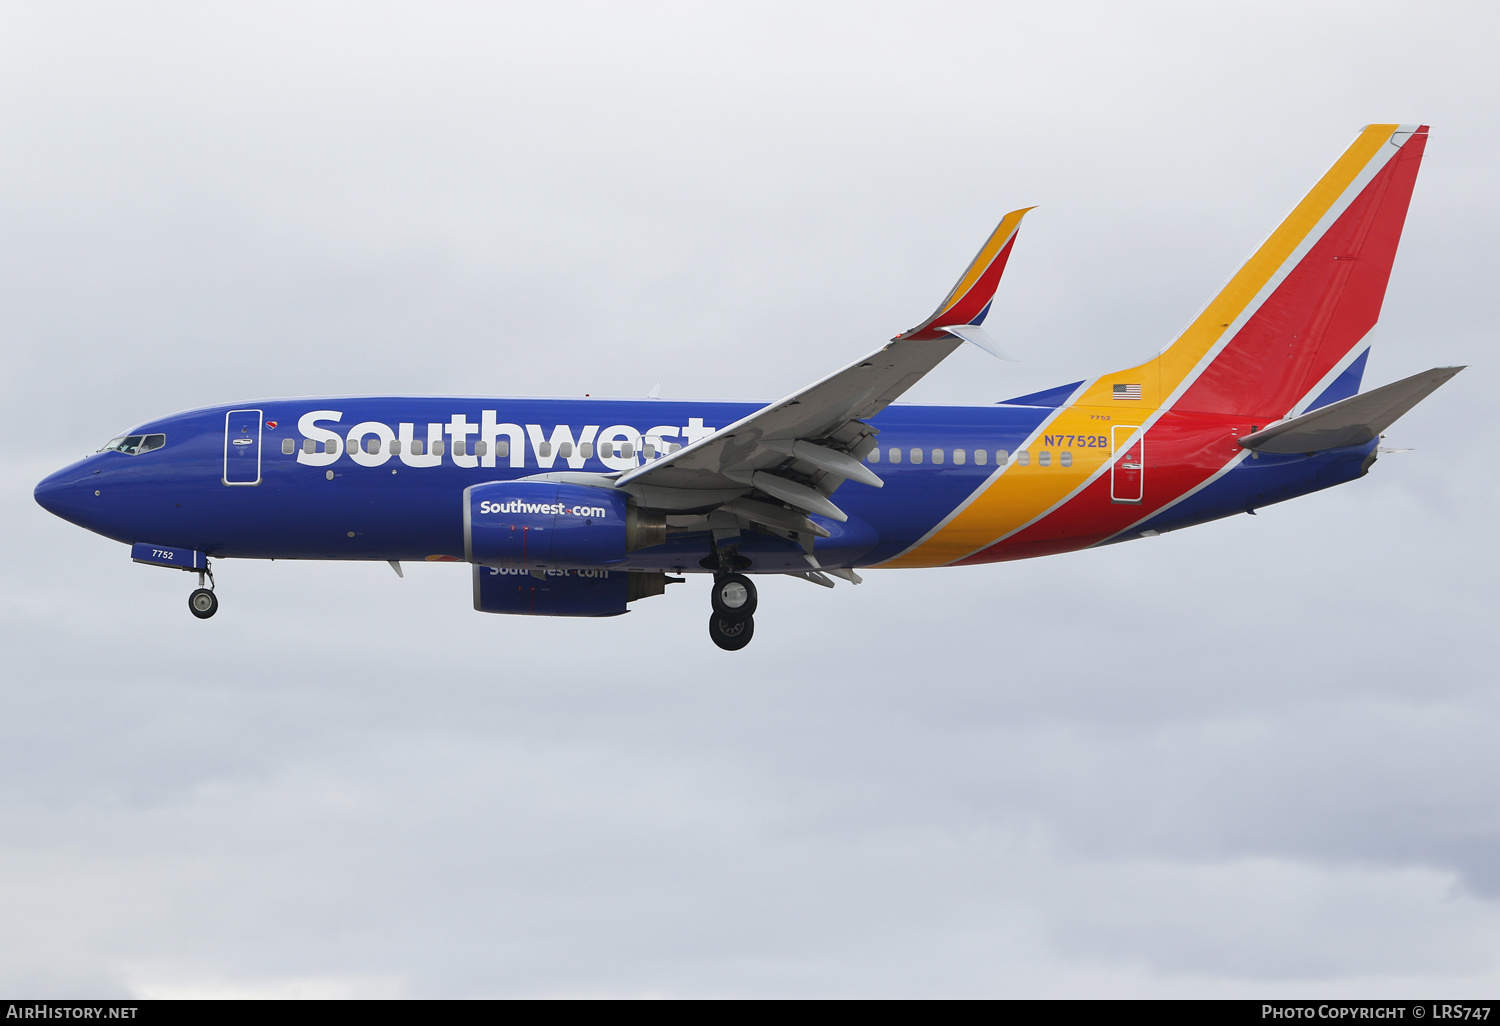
(1250, 758)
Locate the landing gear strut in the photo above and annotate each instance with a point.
(203, 603)
(732, 624)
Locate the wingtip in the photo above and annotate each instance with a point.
(969, 300)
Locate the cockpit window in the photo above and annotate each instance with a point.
(134, 445)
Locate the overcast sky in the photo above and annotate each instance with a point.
(1253, 758)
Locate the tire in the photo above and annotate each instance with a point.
(731, 633)
(734, 596)
(203, 603)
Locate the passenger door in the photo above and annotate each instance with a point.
(1127, 474)
(242, 429)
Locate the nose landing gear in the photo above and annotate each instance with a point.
(203, 603)
(732, 623)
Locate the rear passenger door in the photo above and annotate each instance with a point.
(1127, 473)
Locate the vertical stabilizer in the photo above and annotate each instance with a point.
(1298, 309)
(1284, 334)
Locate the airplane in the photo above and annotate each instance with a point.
(580, 507)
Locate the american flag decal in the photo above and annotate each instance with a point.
(1127, 391)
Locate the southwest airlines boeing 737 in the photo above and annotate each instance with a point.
(578, 507)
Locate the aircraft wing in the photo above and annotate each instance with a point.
(798, 450)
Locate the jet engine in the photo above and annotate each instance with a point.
(546, 525)
(562, 592)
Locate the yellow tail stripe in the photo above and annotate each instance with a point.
(987, 253)
(1018, 495)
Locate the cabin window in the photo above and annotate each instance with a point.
(981, 457)
(1023, 458)
(565, 449)
(331, 445)
(673, 447)
(372, 445)
(544, 450)
(916, 455)
(937, 456)
(481, 447)
(395, 447)
(1065, 458)
(874, 456)
(627, 449)
(437, 448)
(502, 447)
(607, 450)
(288, 447)
(416, 447)
(309, 446)
(649, 450)
(959, 456)
(894, 454)
(1002, 457)
(1044, 459)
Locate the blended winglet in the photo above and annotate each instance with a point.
(970, 299)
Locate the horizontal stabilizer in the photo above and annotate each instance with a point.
(1353, 421)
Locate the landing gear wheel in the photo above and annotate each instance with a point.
(203, 603)
(734, 596)
(729, 633)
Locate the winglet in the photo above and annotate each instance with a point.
(970, 299)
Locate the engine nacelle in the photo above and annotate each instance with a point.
(561, 592)
(547, 525)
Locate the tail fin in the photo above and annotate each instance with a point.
(1293, 317)
(1284, 334)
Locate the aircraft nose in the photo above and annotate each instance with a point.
(62, 494)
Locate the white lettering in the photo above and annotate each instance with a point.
(619, 433)
(459, 429)
(547, 449)
(328, 440)
(489, 430)
(552, 508)
(695, 430)
(414, 459)
(655, 435)
(357, 451)
(618, 447)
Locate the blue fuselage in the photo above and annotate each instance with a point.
(217, 487)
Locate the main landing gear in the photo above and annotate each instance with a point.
(732, 623)
(203, 603)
